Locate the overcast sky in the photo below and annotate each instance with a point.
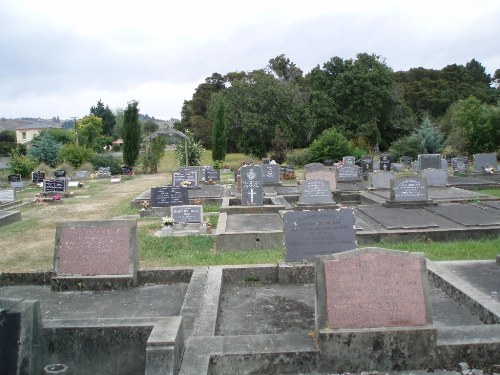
(58, 58)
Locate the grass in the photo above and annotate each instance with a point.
(495, 192)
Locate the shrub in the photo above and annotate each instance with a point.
(75, 155)
(299, 157)
(331, 144)
(407, 146)
(21, 164)
(103, 160)
(194, 151)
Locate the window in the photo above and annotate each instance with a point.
(23, 136)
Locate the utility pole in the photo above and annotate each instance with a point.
(76, 130)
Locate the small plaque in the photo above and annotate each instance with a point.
(408, 189)
(187, 214)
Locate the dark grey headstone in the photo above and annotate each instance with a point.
(385, 162)
(348, 173)
(212, 174)
(429, 161)
(315, 191)
(266, 161)
(187, 214)
(366, 164)
(166, 196)
(406, 160)
(10, 333)
(58, 173)
(311, 233)
(251, 186)
(408, 189)
(349, 160)
(460, 164)
(435, 177)
(104, 171)
(484, 160)
(270, 174)
(126, 170)
(398, 167)
(58, 185)
(7, 195)
(180, 177)
(14, 177)
(37, 176)
(81, 174)
(380, 179)
(193, 168)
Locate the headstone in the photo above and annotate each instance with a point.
(81, 174)
(10, 341)
(406, 160)
(266, 161)
(37, 176)
(192, 168)
(311, 233)
(59, 173)
(444, 164)
(348, 173)
(484, 160)
(178, 178)
(212, 174)
(270, 174)
(398, 167)
(18, 184)
(104, 171)
(460, 164)
(96, 248)
(315, 191)
(372, 288)
(380, 179)
(429, 161)
(330, 176)
(7, 195)
(328, 163)
(57, 185)
(187, 214)
(166, 196)
(126, 170)
(14, 177)
(448, 157)
(385, 162)
(415, 166)
(366, 164)
(349, 160)
(251, 186)
(312, 167)
(435, 177)
(408, 189)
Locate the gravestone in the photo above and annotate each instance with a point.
(398, 167)
(366, 164)
(251, 186)
(330, 176)
(126, 170)
(372, 288)
(15, 181)
(380, 179)
(190, 177)
(408, 189)
(270, 174)
(348, 173)
(435, 177)
(460, 164)
(328, 163)
(385, 162)
(14, 177)
(57, 185)
(192, 168)
(7, 195)
(349, 160)
(166, 196)
(312, 167)
(187, 214)
(484, 160)
(315, 191)
(406, 160)
(81, 174)
(88, 250)
(312, 233)
(444, 164)
(212, 174)
(37, 177)
(266, 161)
(448, 157)
(429, 161)
(59, 173)
(104, 171)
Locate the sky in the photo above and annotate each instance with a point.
(59, 57)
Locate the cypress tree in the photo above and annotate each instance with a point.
(131, 134)
(219, 133)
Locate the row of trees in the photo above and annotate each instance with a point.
(279, 107)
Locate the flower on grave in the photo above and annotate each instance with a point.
(185, 183)
(167, 221)
(145, 205)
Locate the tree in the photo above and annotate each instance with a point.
(131, 133)
(194, 150)
(284, 68)
(150, 127)
(219, 132)
(107, 117)
(21, 164)
(45, 149)
(88, 129)
(7, 141)
(331, 144)
(155, 151)
(75, 155)
(431, 139)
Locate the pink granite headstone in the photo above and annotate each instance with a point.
(96, 248)
(374, 288)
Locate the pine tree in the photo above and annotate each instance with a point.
(219, 133)
(131, 134)
(431, 139)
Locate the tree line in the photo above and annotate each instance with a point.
(280, 108)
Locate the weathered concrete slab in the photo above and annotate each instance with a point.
(256, 222)
(9, 217)
(466, 214)
(400, 218)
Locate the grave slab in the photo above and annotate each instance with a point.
(466, 214)
(399, 218)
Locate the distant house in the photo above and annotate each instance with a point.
(27, 129)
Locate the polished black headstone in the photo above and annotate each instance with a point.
(166, 196)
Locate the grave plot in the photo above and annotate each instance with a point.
(466, 214)
(399, 218)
